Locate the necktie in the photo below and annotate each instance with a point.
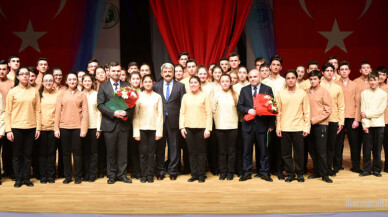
(167, 95)
(254, 91)
(116, 85)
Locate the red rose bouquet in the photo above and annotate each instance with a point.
(264, 104)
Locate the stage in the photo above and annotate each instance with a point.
(349, 193)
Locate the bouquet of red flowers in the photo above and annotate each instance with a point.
(264, 104)
(129, 95)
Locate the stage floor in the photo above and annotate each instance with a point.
(348, 193)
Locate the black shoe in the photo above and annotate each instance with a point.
(222, 176)
(215, 173)
(50, 180)
(125, 179)
(17, 184)
(173, 177)
(356, 170)
(332, 173)
(111, 181)
(245, 177)
(377, 174)
(28, 183)
(67, 181)
(230, 177)
(327, 179)
(143, 179)
(135, 176)
(43, 180)
(266, 178)
(201, 179)
(290, 179)
(341, 168)
(300, 178)
(313, 176)
(150, 179)
(280, 176)
(192, 179)
(78, 181)
(159, 177)
(336, 171)
(365, 173)
(100, 175)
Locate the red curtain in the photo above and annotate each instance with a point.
(204, 28)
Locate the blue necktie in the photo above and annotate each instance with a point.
(167, 95)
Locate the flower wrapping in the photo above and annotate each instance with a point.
(129, 95)
(265, 105)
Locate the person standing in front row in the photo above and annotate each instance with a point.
(2, 122)
(255, 131)
(224, 106)
(22, 125)
(171, 92)
(115, 129)
(71, 123)
(293, 124)
(195, 123)
(148, 127)
(320, 110)
(373, 105)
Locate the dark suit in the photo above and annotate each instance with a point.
(115, 131)
(255, 131)
(171, 131)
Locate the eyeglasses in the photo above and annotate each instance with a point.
(48, 81)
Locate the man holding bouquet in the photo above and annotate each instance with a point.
(255, 130)
(115, 125)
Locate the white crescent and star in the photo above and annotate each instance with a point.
(29, 38)
(335, 37)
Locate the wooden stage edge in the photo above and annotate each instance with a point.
(348, 193)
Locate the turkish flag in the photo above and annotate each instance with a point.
(41, 28)
(354, 31)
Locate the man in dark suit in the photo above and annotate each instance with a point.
(255, 131)
(172, 92)
(115, 130)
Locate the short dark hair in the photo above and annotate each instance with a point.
(373, 75)
(13, 56)
(56, 68)
(42, 59)
(302, 67)
(382, 69)
(184, 53)
(365, 63)
(276, 58)
(315, 73)
(93, 60)
(344, 63)
(260, 59)
(222, 59)
(192, 61)
(312, 62)
(332, 58)
(3, 62)
(132, 64)
(292, 71)
(327, 65)
(234, 54)
(177, 65)
(111, 64)
(264, 65)
(32, 69)
(196, 78)
(147, 76)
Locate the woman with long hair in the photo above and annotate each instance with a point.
(23, 124)
(71, 123)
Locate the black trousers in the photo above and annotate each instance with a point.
(101, 155)
(275, 154)
(171, 136)
(197, 151)
(147, 149)
(71, 143)
(89, 155)
(35, 160)
(260, 141)
(331, 142)
(184, 155)
(6, 155)
(117, 149)
(212, 152)
(354, 144)
(133, 154)
(317, 148)
(373, 142)
(22, 152)
(226, 150)
(385, 143)
(239, 150)
(293, 140)
(60, 168)
(47, 154)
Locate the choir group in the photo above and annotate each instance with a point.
(199, 113)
